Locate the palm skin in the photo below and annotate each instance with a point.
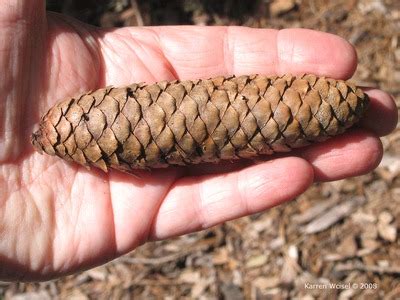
(58, 218)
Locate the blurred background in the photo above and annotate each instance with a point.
(339, 232)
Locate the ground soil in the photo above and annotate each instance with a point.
(343, 232)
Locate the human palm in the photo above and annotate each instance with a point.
(57, 218)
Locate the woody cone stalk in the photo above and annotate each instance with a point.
(189, 122)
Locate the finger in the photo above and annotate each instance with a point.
(196, 52)
(138, 196)
(196, 203)
(352, 154)
(381, 116)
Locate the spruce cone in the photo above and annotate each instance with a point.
(189, 122)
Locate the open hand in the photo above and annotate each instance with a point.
(57, 218)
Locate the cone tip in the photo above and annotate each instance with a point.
(35, 141)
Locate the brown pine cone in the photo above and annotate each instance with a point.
(189, 122)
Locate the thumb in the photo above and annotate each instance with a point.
(22, 30)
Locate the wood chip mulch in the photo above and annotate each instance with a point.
(344, 232)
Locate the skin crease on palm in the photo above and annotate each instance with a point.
(57, 218)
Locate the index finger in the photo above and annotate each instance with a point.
(197, 52)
